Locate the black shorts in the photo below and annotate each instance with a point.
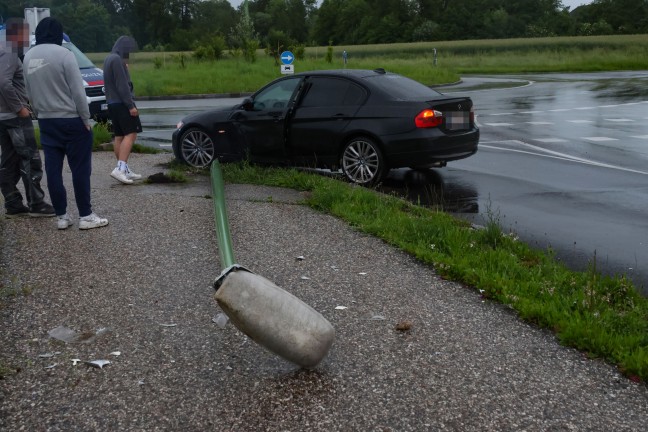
(122, 122)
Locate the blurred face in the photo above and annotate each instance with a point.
(18, 35)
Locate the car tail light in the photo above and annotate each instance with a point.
(472, 116)
(429, 118)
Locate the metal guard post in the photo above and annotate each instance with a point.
(220, 212)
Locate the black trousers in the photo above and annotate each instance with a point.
(20, 158)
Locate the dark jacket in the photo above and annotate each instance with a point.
(117, 81)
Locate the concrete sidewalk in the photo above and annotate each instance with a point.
(142, 287)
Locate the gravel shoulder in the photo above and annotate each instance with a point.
(143, 287)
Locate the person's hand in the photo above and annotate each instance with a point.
(24, 112)
(133, 112)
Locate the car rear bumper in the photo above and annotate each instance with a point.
(424, 148)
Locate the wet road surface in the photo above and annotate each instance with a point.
(562, 161)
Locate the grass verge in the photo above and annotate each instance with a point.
(603, 316)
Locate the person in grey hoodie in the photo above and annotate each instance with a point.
(55, 90)
(19, 155)
(121, 106)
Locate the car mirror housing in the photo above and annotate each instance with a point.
(248, 104)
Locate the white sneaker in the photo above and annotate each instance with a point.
(121, 176)
(64, 221)
(131, 175)
(92, 221)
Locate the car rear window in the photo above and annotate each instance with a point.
(402, 88)
(326, 91)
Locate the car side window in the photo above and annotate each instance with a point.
(326, 91)
(276, 96)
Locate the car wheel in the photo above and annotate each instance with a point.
(362, 162)
(197, 148)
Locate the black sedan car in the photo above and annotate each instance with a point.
(364, 122)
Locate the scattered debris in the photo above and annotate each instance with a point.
(49, 355)
(378, 318)
(300, 258)
(115, 353)
(221, 320)
(305, 278)
(362, 273)
(51, 366)
(63, 334)
(160, 178)
(340, 307)
(168, 325)
(404, 325)
(98, 363)
(75, 362)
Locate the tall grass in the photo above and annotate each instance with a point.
(157, 74)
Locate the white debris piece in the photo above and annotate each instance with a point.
(98, 363)
(221, 320)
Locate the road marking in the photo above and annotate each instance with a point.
(542, 152)
(499, 124)
(550, 140)
(600, 139)
(580, 121)
(640, 136)
(530, 112)
(501, 114)
(539, 123)
(560, 110)
(164, 145)
(619, 120)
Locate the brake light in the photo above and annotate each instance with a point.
(429, 118)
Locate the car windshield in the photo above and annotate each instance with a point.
(84, 62)
(402, 88)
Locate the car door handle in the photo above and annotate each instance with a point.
(339, 116)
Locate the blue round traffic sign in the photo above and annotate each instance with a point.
(287, 57)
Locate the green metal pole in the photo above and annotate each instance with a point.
(220, 213)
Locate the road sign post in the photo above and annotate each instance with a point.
(287, 58)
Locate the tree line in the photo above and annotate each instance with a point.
(272, 24)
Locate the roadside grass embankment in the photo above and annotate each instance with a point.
(179, 73)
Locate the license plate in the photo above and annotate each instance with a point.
(104, 107)
(457, 120)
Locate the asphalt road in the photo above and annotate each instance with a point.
(562, 162)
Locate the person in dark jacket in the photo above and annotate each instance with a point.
(121, 106)
(19, 155)
(55, 89)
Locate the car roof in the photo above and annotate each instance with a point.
(355, 73)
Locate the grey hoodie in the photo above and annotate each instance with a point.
(52, 75)
(13, 95)
(117, 81)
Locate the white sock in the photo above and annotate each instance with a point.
(121, 165)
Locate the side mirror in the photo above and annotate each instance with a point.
(248, 104)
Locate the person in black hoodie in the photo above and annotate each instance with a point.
(19, 155)
(121, 106)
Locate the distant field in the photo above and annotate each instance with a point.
(415, 60)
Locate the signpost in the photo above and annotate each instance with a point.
(287, 58)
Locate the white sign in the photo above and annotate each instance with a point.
(287, 69)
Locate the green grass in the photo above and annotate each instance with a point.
(603, 316)
(415, 60)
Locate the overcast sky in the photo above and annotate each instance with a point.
(573, 4)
